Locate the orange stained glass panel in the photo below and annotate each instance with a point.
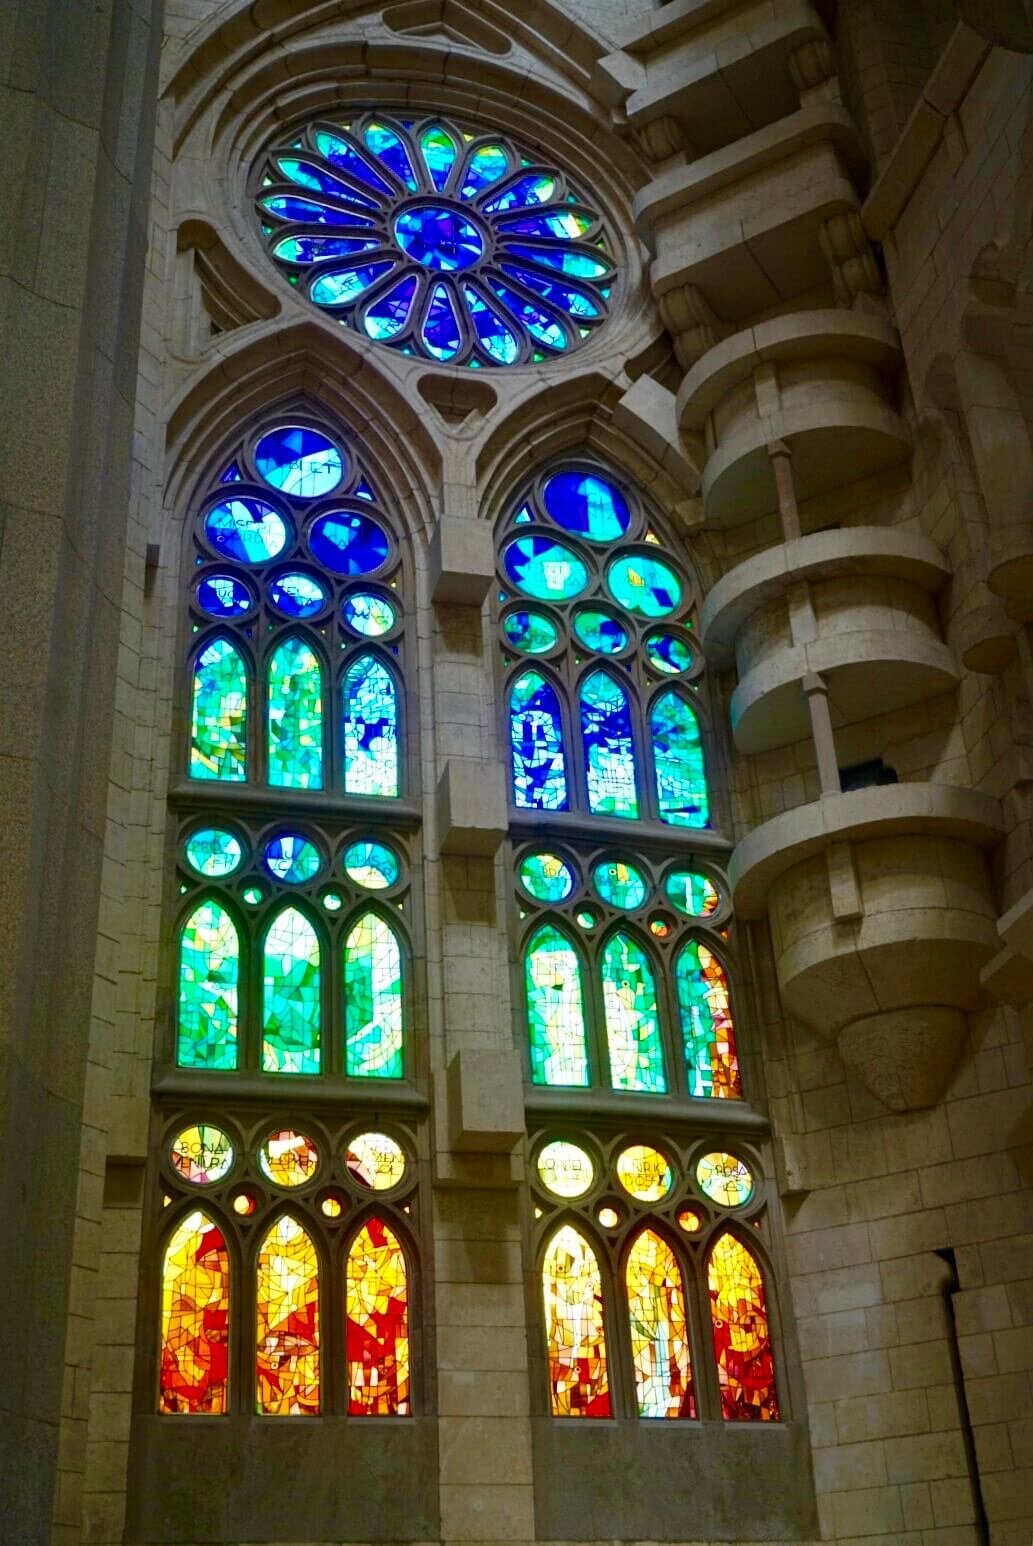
(575, 1336)
(377, 1334)
(659, 1331)
(195, 1310)
(288, 1322)
(742, 1334)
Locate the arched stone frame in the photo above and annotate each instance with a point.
(174, 1219)
(401, 1227)
(286, 1208)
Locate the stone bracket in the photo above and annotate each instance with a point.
(484, 1090)
(471, 807)
(462, 561)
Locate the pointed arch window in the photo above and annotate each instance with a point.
(633, 1040)
(555, 1009)
(218, 736)
(377, 1326)
(536, 737)
(291, 995)
(287, 1322)
(195, 1318)
(373, 999)
(742, 1333)
(371, 765)
(209, 976)
(295, 716)
(660, 1353)
(611, 780)
(575, 1334)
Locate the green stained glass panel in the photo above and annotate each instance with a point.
(291, 1013)
(668, 653)
(681, 782)
(692, 893)
(213, 852)
(295, 717)
(632, 1017)
(218, 728)
(546, 877)
(209, 972)
(370, 729)
(532, 632)
(555, 1010)
(620, 884)
(372, 865)
(644, 585)
(373, 1001)
(708, 1030)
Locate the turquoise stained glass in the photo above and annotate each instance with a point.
(644, 585)
(213, 852)
(555, 1010)
(373, 1000)
(632, 1017)
(609, 749)
(292, 859)
(620, 884)
(371, 764)
(587, 505)
(295, 717)
(209, 972)
(246, 529)
(291, 986)
(299, 461)
(416, 202)
(530, 631)
(708, 1030)
(536, 739)
(218, 728)
(373, 866)
(681, 785)
(369, 614)
(668, 653)
(546, 877)
(600, 632)
(691, 893)
(545, 568)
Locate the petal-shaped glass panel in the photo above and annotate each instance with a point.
(371, 763)
(287, 1322)
(439, 152)
(340, 152)
(388, 146)
(313, 211)
(576, 303)
(541, 325)
(195, 1319)
(644, 585)
(213, 852)
(291, 995)
(587, 505)
(545, 568)
(299, 461)
(218, 726)
(246, 529)
(297, 594)
(441, 331)
(209, 972)
(310, 175)
(599, 631)
(659, 1329)
(223, 595)
(632, 1017)
(708, 1030)
(373, 1000)
(348, 542)
(531, 632)
(344, 286)
(555, 1010)
(486, 165)
(495, 337)
(563, 223)
(292, 859)
(322, 249)
(536, 738)
(526, 193)
(546, 877)
(681, 784)
(388, 315)
(742, 1333)
(609, 747)
(572, 1290)
(620, 884)
(377, 1324)
(295, 717)
(578, 265)
(373, 866)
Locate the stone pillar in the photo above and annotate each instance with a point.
(78, 91)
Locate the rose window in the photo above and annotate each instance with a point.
(441, 243)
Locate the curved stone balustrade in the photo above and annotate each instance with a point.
(818, 381)
(882, 915)
(854, 606)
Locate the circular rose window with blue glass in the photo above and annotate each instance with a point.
(445, 243)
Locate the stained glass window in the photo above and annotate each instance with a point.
(555, 1010)
(681, 784)
(536, 734)
(195, 1316)
(295, 717)
(209, 971)
(742, 1336)
(575, 1337)
(370, 729)
(291, 1008)
(659, 1330)
(632, 1016)
(218, 731)
(377, 1323)
(606, 736)
(373, 1000)
(438, 241)
(287, 1315)
(707, 1026)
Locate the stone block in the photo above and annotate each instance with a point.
(485, 1100)
(471, 807)
(462, 561)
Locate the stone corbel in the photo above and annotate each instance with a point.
(692, 323)
(850, 256)
(662, 138)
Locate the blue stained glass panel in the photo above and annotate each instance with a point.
(438, 237)
(297, 595)
(564, 224)
(587, 505)
(536, 736)
(223, 595)
(309, 175)
(681, 783)
(497, 340)
(339, 153)
(388, 315)
(668, 653)
(486, 165)
(299, 461)
(441, 331)
(320, 249)
(524, 194)
(383, 142)
(574, 302)
(370, 729)
(529, 631)
(292, 859)
(341, 289)
(369, 614)
(348, 542)
(439, 152)
(246, 529)
(608, 746)
(578, 265)
(599, 631)
(545, 568)
(644, 585)
(538, 323)
(289, 206)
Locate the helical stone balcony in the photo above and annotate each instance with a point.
(882, 915)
